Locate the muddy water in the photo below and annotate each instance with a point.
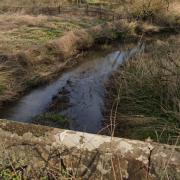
(86, 88)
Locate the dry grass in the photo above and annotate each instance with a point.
(157, 11)
(33, 2)
(19, 32)
(25, 57)
(164, 12)
(148, 87)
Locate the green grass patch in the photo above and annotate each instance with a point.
(33, 82)
(2, 89)
(157, 131)
(92, 1)
(7, 174)
(53, 33)
(54, 119)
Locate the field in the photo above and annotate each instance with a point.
(20, 32)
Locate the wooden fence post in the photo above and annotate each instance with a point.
(100, 12)
(87, 9)
(59, 8)
(113, 17)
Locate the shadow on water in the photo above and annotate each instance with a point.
(86, 88)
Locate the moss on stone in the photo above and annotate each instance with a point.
(20, 130)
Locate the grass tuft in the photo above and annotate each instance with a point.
(149, 86)
(53, 119)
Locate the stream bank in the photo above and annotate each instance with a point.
(76, 98)
(77, 95)
(143, 96)
(40, 64)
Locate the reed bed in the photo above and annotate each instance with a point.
(145, 96)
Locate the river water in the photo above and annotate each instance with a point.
(86, 87)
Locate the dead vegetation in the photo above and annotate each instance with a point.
(145, 95)
(157, 11)
(20, 32)
(33, 2)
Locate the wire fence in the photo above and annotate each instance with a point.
(102, 12)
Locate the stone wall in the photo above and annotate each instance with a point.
(39, 151)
